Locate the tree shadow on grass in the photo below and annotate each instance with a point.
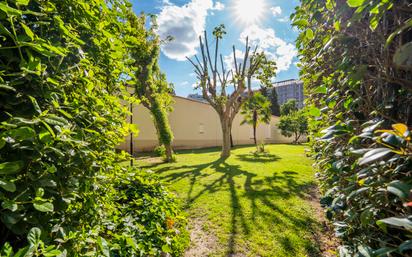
(264, 157)
(263, 194)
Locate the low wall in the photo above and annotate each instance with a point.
(197, 125)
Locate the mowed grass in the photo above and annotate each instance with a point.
(251, 206)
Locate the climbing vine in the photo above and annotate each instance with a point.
(150, 83)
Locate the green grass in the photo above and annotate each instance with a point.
(254, 206)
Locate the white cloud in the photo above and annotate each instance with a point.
(283, 19)
(184, 83)
(274, 47)
(185, 24)
(276, 10)
(218, 6)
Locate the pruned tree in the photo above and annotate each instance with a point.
(225, 88)
(150, 83)
(256, 110)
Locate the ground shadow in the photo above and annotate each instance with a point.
(260, 192)
(263, 157)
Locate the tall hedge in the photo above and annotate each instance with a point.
(62, 70)
(356, 60)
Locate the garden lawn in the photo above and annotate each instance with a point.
(246, 205)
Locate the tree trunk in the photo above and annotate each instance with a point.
(168, 146)
(164, 133)
(226, 128)
(131, 135)
(169, 152)
(254, 127)
(297, 136)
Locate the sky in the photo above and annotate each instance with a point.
(265, 22)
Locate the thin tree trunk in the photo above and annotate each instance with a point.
(226, 128)
(297, 136)
(254, 127)
(131, 136)
(297, 139)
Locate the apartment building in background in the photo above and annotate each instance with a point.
(290, 89)
(197, 97)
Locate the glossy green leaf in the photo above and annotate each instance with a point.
(43, 206)
(355, 3)
(28, 31)
(403, 223)
(383, 252)
(401, 189)
(22, 133)
(45, 137)
(35, 105)
(11, 167)
(9, 204)
(366, 251)
(51, 252)
(6, 250)
(33, 237)
(7, 185)
(166, 248)
(309, 34)
(315, 112)
(405, 246)
(321, 90)
(9, 10)
(374, 155)
(22, 2)
(301, 23)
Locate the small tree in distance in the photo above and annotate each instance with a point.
(294, 124)
(256, 110)
(289, 107)
(215, 81)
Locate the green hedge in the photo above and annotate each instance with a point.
(356, 59)
(62, 70)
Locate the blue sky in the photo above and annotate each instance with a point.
(266, 22)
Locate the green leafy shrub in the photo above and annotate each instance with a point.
(360, 99)
(153, 212)
(260, 148)
(294, 124)
(160, 151)
(62, 70)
